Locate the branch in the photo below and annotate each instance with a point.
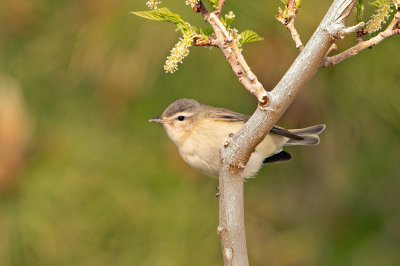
(392, 29)
(226, 42)
(287, 18)
(221, 3)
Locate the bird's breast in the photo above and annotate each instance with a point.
(201, 149)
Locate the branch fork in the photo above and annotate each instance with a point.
(226, 42)
(391, 30)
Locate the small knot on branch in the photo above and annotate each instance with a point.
(360, 34)
(264, 99)
(228, 40)
(228, 253)
(227, 140)
(199, 41)
(252, 77)
(220, 230)
(226, 143)
(235, 168)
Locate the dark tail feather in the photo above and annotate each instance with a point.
(308, 140)
(278, 157)
(310, 135)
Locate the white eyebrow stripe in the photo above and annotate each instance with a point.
(176, 115)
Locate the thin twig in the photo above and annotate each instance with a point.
(217, 12)
(226, 42)
(391, 30)
(332, 48)
(288, 18)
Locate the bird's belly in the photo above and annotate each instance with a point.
(253, 165)
(203, 164)
(269, 146)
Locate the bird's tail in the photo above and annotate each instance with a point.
(310, 135)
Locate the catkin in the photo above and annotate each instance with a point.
(380, 17)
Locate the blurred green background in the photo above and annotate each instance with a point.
(86, 180)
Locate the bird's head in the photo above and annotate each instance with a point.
(179, 119)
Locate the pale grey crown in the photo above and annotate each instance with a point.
(182, 105)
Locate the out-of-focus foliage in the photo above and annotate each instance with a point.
(102, 186)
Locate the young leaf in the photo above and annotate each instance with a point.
(207, 30)
(249, 36)
(160, 14)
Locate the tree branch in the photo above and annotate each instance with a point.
(288, 18)
(226, 42)
(221, 3)
(236, 152)
(391, 30)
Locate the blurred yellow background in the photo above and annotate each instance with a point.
(86, 180)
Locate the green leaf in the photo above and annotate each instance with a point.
(207, 30)
(249, 36)
(160, 14)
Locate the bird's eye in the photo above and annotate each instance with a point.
(181, 118)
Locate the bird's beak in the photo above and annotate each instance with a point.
(156, 120)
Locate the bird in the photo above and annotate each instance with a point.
(198, 131)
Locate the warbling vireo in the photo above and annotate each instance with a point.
(198, 132)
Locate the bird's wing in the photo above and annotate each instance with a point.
(231, 116)
(226, 115)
